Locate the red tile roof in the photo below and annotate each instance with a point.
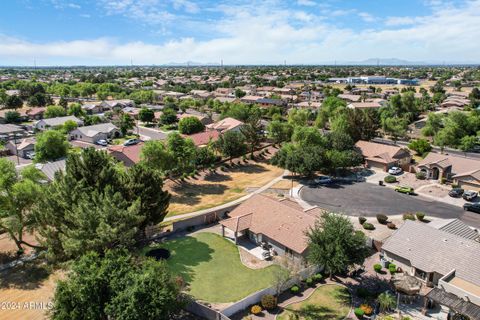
(129, 155)
(202, 138)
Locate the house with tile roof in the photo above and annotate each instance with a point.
(383, 156)
(441, 259)
(227, 124)
(282, 224)
(462, 171)
(92, 134)
(129, 155)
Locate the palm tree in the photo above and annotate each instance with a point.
(386, 301)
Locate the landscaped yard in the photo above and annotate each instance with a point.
(219, 188)
(330, 302)
(211, 266)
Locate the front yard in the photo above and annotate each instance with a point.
(211, 266)
(330, 302)
(214, 189)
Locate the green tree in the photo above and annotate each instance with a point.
(433, 124)
(190, 125)
(183, 152)
(13, 102)
(231, 144)
(239, 93)
(146, 115)
(69, 126)
(169, 116)
(395, 127)
(18, 198)
(299, 117)
(51, 145)
(76, 110)
(54, 112)
(12, 117)
(251, 131)
(155, 155)
(116, 286)
(467, 143)
(420, 146)
(334, 244)
(280, 131)
(125, 123)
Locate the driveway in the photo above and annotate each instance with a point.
(153, 134)
(368, 200)
(83, 144)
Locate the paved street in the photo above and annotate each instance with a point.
(368, 200)
(153, 134)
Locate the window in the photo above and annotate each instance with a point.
(421, 274)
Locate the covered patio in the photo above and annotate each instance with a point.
(451, 304)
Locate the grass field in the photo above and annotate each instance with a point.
(219, 188)
(328, 302)
(211, 266)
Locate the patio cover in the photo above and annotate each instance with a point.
(455, 303)
(407, 284)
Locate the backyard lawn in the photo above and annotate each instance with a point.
(328, 302)
(211, 266)
(218, 188)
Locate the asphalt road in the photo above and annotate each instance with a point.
(368, 200)
(152, 133)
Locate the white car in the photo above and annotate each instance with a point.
(102, 142)
(395, 170)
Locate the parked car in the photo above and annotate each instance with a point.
(322, 180)
(395, 170)
(456, 192)
(469, 195)
(404, 189)
(474, 207)
(30, 155)
(102, 142)
(131, 142)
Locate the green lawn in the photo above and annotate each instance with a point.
(328, 302)
(211, 266)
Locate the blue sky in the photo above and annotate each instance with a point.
(106, 32)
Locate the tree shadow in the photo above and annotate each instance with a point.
(312, 311)
(369, 287)
(185, 254)
(217, 177)
(28, 276)
(7, 256)
(248, 168)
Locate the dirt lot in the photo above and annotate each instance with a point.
(8, 248)
(26, 292)
(218, 188)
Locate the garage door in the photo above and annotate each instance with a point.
(469, 186)
(376, 165)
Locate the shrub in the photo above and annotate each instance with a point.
(359, 313)
(368, 310)
(409, 216)
(421, 175)
(362, 219)
(391, 225)
(390, 179)
(294, 289)
(454, 185)
(368, 226)
(269, 302)
(251, 157)
(317, 277)
(363, 293)
(381, 218)
(309, 282)
(420, 216)
(443, 180)
(392, 268)
(256, 309)
(377, 267)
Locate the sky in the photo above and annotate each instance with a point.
(145, 32)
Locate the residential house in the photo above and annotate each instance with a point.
(203, 117)
(364, 105)
(268, 102)
(22, 148)
(384, 156)
(279, 223)
(8, 131)
(350, 97)
(92, 134)
(446, 261)
(92, 108)
(129, 155)
(227, 124)
(116, 104)
(201, 139)
(250, 99)
(462, 171)
(36, 113)
(45, 124)
(50, 169)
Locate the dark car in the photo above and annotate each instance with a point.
(456, 192)
(474, 207)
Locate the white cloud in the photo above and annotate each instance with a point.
(60, 4)
(267, 35)
(367, 17)
(400, 21)
(189, 6)
(308, 3)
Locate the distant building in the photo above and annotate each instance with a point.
(45, 124)
(92, 134)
